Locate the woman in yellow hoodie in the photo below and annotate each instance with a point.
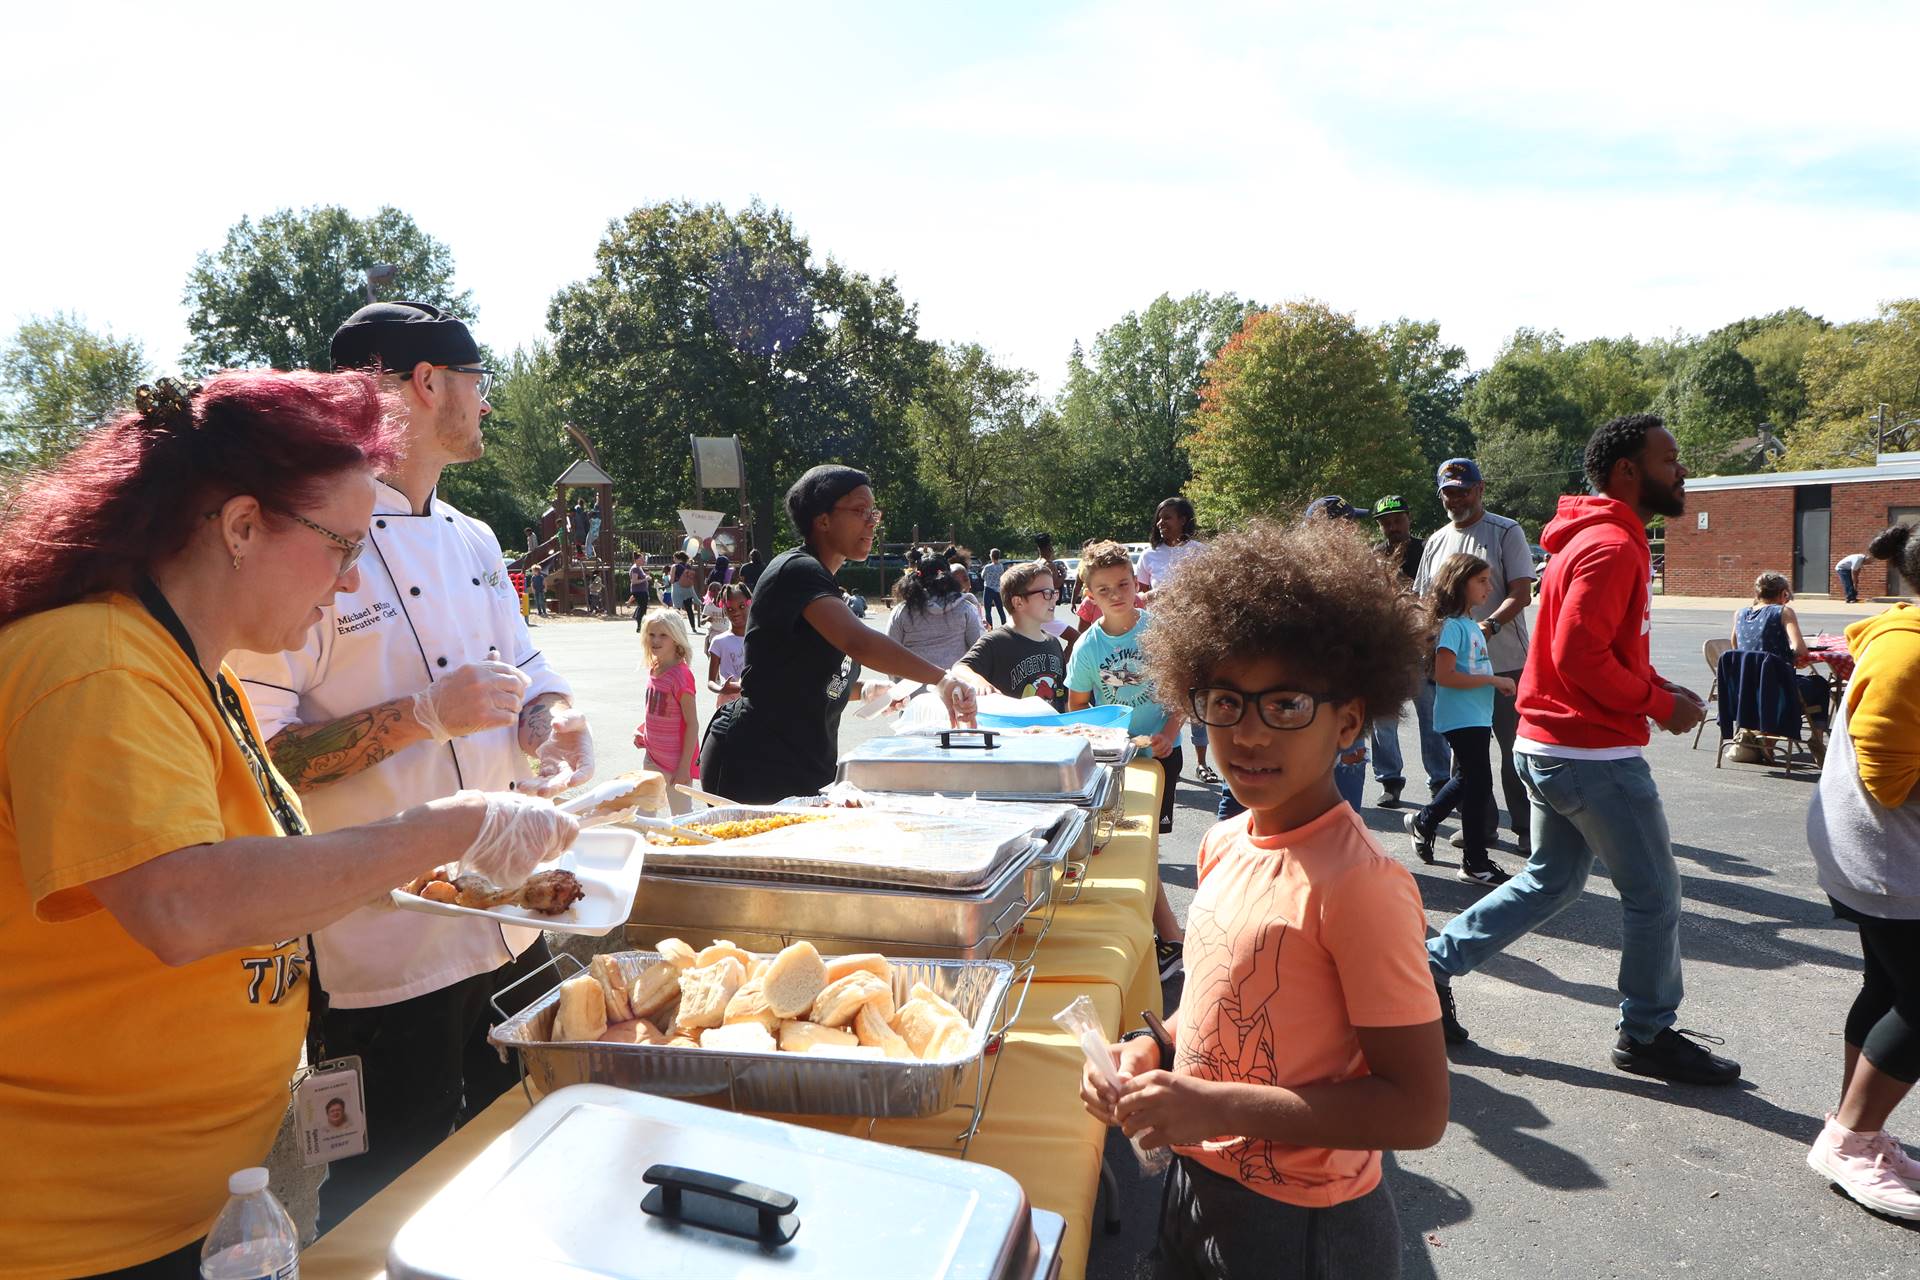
(1864, 831)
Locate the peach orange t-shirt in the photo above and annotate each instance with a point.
(1293, 941)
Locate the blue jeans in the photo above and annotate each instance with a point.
(1583, 808)
(1198, 732)
(991, 600)
(1389, 765)
(1846, 585)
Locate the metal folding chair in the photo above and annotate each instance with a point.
(1713, 649)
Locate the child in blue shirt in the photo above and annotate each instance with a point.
(1463, 712)
(1106, 668)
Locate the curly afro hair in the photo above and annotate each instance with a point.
(1624, 437)
(1317, 595)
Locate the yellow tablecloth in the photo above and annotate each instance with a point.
(1034, 1129)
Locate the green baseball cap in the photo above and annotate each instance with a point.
(1391, 505)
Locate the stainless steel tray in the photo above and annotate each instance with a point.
(1044, 819)
(882, 918)
(973, 761)
(947, 853)
(795, 1083)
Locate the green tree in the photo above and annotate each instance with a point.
(1777, 345)
(274, 293)
(1850, 372)
(1715, 407)
(1299, 403)
(58, 379)
(974, 426)
(1432, 376)
(700, 321)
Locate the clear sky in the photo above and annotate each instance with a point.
(1028, 172)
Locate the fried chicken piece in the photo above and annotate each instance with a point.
(546, 892)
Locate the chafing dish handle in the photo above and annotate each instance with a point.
(987, 738)
(720, 1203)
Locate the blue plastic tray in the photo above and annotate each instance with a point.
(1110, 717)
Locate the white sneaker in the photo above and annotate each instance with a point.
(1858, 1164)
(1904, 1166)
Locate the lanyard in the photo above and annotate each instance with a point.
(232, 713)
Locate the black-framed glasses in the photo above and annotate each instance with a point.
(1051, 593)
(1283, 709)
(485, 375)
(349, 549)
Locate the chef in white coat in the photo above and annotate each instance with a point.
(422, 682)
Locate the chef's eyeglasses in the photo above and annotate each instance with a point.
(1283, 709)
(485, 375)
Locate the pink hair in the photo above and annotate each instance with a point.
(134, 491)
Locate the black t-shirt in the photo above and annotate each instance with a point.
(750, 573)
(781, 738)
(1410, 558)
(1019, 667)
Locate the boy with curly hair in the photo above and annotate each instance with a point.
(1308, 1037)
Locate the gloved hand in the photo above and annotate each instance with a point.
(480, 695)
(566, 757)
(517, 834)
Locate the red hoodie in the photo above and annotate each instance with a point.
(1589, 681)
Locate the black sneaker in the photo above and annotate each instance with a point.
(1390, 794)
(1422, 840)
(1168, 954)
(1449, 1015)
(1207, 776)
(1484, 873)
(1672, 1056)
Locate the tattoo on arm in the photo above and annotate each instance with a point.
(536, 720)
(312, 755)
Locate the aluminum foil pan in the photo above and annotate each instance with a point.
(790, 1083)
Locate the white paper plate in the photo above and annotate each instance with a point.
(607, 860)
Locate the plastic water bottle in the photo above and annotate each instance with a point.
(253, 1238)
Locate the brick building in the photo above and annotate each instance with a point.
(1797, 522)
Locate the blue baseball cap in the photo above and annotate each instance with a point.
(1458, 473)
(1331, 507)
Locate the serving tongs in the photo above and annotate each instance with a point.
(611, 790)
(668, 825)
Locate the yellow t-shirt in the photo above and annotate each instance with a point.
(128, 1090)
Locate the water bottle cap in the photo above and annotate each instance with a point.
(247, 1182)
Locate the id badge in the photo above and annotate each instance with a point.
(333, 1112)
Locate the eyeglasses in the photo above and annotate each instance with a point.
(1050, 593)
(349, 549)
(870, 514)
(485, 375)
(1284, 709)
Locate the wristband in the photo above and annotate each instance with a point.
(1166, 1050)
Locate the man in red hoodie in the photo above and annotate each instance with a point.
(1585, 698)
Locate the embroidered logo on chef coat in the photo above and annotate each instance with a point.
(346, 624)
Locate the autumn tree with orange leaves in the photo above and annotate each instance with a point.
(1298, 404)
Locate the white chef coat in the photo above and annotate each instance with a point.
(434, 595)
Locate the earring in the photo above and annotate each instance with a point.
(236, 563)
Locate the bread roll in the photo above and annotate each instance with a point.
(720, 949)
(677, 953)
(837, 1004)
(632, 1031)
(657, 987)
(951, 1042)
(873, 962)
(747, 1037)
(794, 979)
(923, 1023)
(872, 1030)
(685, 1040)
(921, 991)
(804, 1037)
(705, 991)
(582, 1013)
(607, 973)
(749, 1004)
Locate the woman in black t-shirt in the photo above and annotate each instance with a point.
(805, 650)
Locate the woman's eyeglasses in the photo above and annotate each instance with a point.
(1284, 709)
(349, 549)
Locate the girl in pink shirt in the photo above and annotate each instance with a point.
(671, 734)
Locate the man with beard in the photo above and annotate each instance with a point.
(1585, 698)
(421, 682)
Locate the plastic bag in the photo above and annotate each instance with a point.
(1080, 1021)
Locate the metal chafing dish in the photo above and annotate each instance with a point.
(792, 1083)
(891, 919)
(984, 764)
(597, 1182)
(1064, 826)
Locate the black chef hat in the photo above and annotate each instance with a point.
(399, 335)
(815, 493)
